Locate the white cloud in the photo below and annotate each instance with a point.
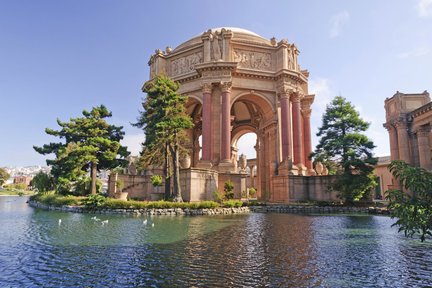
(424, 8)
(337, 22)
(417, 52)
(133, 142)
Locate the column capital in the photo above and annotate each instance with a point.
(307, 101)
(207, 87)
(296, 96)
(306, 112)
(400, 124)
(226, 87)
(389, 126)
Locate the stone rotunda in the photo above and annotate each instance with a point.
(238, 82)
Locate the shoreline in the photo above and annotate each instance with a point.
(290, 209)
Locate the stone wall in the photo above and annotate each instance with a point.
(302, 188)
(198, 184)
(238, 179)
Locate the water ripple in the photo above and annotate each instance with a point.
(257, 250)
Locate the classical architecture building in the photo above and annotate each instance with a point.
(239, 82)
(408, 122)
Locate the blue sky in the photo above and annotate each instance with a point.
(60, 57)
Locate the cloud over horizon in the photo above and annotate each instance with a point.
(424, 8)
(337, 22)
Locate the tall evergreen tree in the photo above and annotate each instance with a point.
(90, 143)
(164, 121)
(343, 143)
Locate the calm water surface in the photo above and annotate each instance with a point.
(256, 250)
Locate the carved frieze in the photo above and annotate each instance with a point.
(186, 64)
(253, 59)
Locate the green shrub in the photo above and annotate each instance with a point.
(156, 180)
(217, 197)
(232, 203)
(53, 199)
(229, 190)
(94, 201)
(252, 192)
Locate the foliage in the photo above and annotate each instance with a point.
(252, 192)
(217, 197)
(4, 176)
(89, 143)
(156, 180)
(120, 204)
(120, 184)
(232, 203)
(342, 143)
(43, 182)
(229, 190)
(82, 186)
(53, 199)
(94, 201)
(18, 186)
(414, 212)
(164, 121)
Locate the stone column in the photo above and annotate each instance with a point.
(306, 113)
(285, 125)
(297, 130)
(424, 147)
(226, 122)
(206, 122)
(403, 138)
(394, 149)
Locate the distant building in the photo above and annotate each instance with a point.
(408, 121)
(384, 177)
(22, 180)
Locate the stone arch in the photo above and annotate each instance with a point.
(263, 103)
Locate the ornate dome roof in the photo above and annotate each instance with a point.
(239, 34)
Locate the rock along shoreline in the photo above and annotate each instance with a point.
(293, 209)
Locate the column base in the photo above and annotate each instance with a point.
(226, 166)
(205, 164)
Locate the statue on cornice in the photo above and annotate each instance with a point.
(215, 43)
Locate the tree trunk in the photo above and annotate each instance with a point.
(165, 172)
(176, 174)
(93, 174)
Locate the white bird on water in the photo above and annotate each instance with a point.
(95, 218)
(152, 224)
(59, 222)
(104, 222)
(145, 222)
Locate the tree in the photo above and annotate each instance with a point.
(43, 182)
(343, 143)
(164, 121)
(414, 212)
(4, 176)
(90, 144)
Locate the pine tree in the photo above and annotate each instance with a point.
(343, 143)
(164, 121)
(90, 143)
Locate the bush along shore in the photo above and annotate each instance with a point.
(100, 205)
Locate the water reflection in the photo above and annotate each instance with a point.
(256, 250)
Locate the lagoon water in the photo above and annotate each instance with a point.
(254, 250)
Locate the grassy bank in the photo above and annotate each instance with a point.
(100, 202)
(14, 192)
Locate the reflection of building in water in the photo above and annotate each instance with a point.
(238, 82)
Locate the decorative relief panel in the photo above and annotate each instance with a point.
(252, 59)
(186, 64)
